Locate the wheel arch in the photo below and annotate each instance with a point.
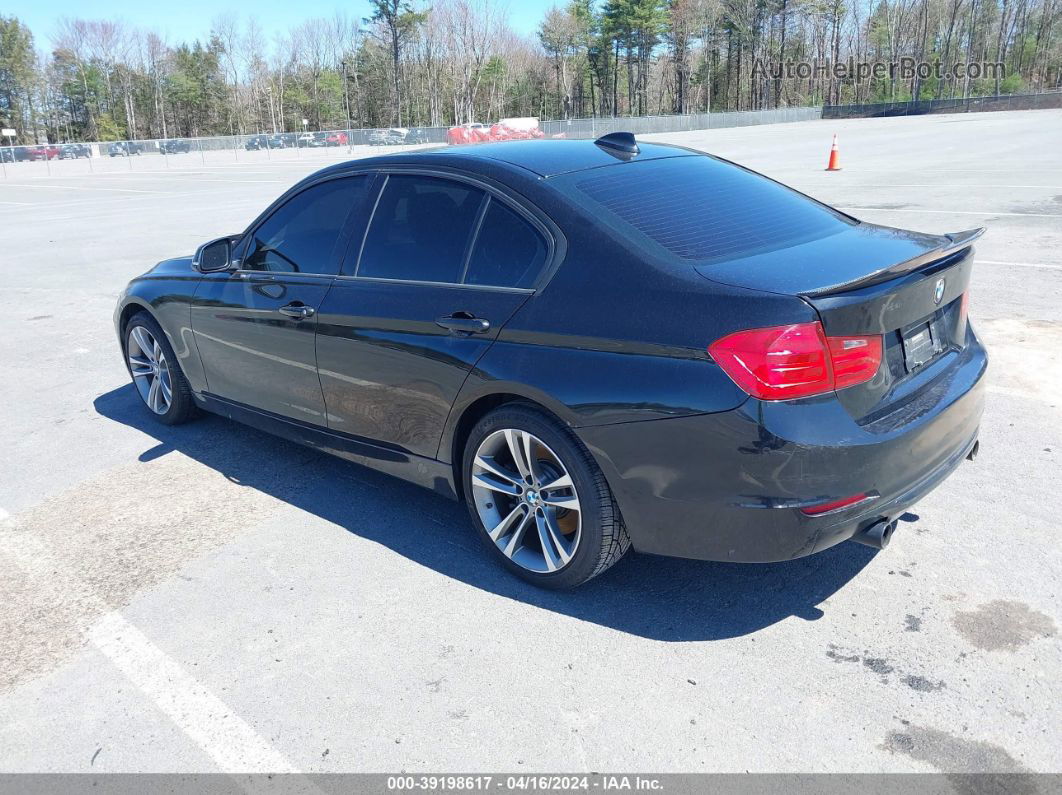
(464, 418)
(132, 306)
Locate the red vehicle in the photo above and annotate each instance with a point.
(519, 129)
(337, 139)
(43, 152)
(472, 133)
(515, 129)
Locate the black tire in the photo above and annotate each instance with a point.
(182, 405)
(603, 540)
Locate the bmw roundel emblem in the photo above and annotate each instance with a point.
(938, 291)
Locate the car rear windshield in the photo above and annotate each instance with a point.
(704, 209)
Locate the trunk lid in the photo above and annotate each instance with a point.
(906, 286)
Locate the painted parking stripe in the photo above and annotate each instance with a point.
(1020, 264)
(233, 745)
(214, 726)
(79, 187)
(949, 212)
(937, 185)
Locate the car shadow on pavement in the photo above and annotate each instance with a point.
(658, 598)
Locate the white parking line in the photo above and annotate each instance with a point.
(937, 185)
(229, 740)
(80, 187)
(1020, 264)
(949, 212)
(233, 745)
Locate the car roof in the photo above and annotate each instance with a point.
(546, 158)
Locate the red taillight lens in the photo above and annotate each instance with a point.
(964, 309)
(785, 362)
(855, 359)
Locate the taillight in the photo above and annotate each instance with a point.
(855, 359)
(785, 362)
(964, 309)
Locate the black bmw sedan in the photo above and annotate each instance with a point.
(594, 344)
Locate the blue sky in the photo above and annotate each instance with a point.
(189, 19)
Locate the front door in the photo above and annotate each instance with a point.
(443, 267)
(255, 328)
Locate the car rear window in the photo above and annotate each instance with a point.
(703, 209)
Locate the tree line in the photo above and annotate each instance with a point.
(448, 62)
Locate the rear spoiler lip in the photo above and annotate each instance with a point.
(956, 242)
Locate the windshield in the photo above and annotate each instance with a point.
(703, 209)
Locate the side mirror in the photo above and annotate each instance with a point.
(215, 256)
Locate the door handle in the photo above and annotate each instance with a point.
(297, 311)
(463, 323)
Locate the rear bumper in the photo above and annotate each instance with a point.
(730, 486)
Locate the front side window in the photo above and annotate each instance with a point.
(421, 229)
(300, 235)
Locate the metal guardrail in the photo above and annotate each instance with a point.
(1051, 99)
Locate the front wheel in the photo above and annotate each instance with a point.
(156, 374)
(539, 500)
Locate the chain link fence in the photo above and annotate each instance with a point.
(1052, 99)
(645, 125)
(326, 146)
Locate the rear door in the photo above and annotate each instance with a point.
(443, 266)
(255, 327)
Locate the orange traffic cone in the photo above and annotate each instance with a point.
(835, 157)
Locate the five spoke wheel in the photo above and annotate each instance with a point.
(526, 500)
(151, 372)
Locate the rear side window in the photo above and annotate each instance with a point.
(421, 229)
(703, 209)
(508, 251)
(300, 234)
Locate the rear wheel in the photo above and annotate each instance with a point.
(539, 500)
(156, 374)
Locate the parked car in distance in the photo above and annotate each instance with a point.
(14, 154)
(390, 137)
(282, 140)
(308, 140)
(124, 149)
(418, 135)
(74, 151)
(42, 152)
(174, 146)
(256, 143)
(471, 133)
(742, 374)
(339, 138)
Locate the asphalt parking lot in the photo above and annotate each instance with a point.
(207, 598)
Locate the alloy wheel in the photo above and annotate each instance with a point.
(526, 500)
(151, 371)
